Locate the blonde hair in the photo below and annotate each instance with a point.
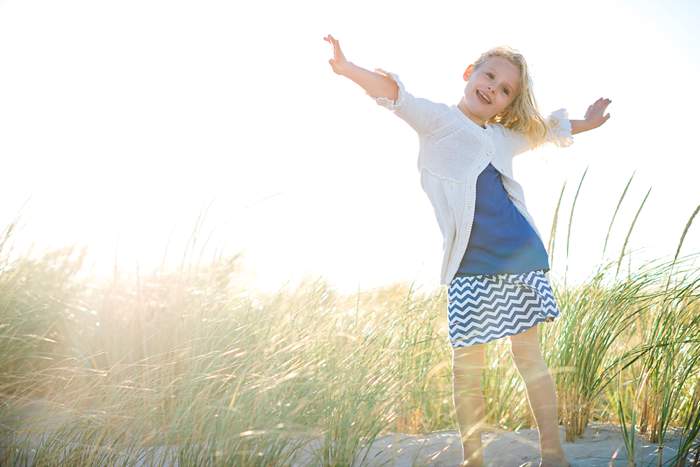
(522, 114)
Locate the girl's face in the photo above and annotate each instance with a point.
(490, 89)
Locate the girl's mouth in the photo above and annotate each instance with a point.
(482, 97)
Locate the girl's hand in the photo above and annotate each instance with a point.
(338, 62)
(594, 115)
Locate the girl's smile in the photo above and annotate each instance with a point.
(483, 97)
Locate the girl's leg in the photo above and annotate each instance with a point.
(467, 367)
(541, 394)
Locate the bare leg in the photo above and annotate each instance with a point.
(541, 394)
(467, 368)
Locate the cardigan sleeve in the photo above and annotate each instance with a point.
(421, 114)
(560, 128)
(558, 132)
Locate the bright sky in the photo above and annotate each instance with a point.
(122, 122)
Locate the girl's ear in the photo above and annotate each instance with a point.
(468, 72)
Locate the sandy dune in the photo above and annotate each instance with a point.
(601, 445)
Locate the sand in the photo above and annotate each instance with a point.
(601, 445)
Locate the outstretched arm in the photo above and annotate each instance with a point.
(387, 90)
(594, 117)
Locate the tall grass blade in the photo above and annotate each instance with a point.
(629, 232)
(617, 208)
(553, 230)
(571, 218)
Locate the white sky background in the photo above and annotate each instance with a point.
(122, 122)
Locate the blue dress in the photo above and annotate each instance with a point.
(500, 288)
(502, 240)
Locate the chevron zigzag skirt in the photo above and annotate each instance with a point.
(482, 308)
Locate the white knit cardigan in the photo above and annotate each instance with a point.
(453, 151)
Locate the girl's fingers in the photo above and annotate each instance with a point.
(333, 42)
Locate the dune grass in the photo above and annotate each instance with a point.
(186, 366)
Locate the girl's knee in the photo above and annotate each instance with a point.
(469, 359)
(525, 344)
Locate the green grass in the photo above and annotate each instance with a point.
(189, 359)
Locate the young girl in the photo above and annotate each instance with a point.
(494, 261)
